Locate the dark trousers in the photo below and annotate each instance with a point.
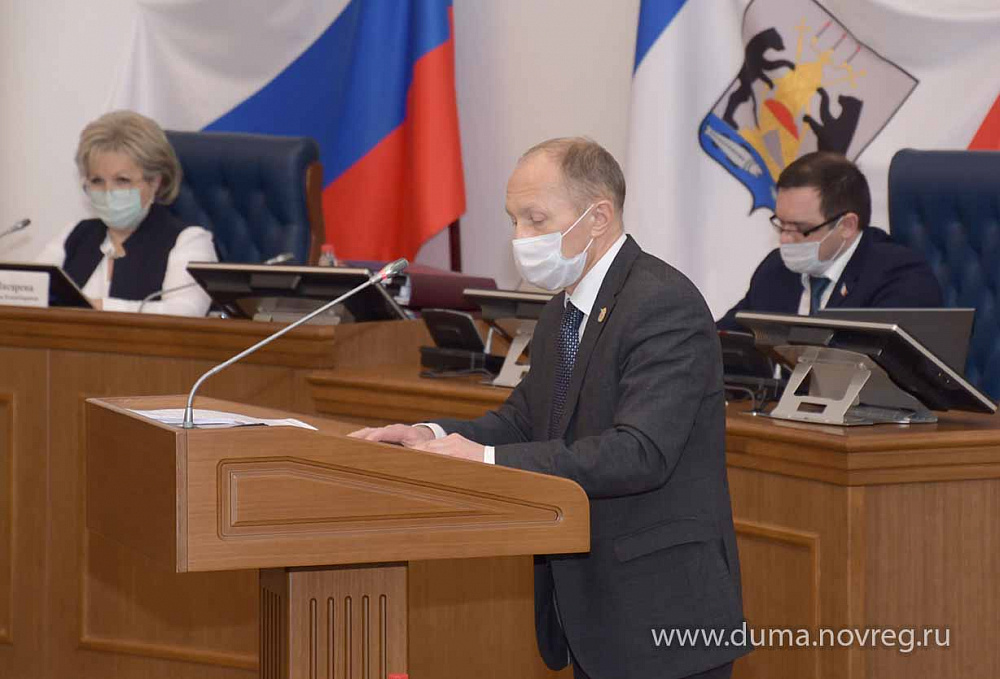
(721, 672)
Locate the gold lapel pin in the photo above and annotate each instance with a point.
(600, 316)
(843, 290)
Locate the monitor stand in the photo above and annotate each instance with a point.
(291, 309)
(512, 371)
(835, 386)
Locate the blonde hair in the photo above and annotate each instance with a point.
(142, 140)
(591, 173)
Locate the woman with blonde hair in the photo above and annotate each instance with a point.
(135, 247)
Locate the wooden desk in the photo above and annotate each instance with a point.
(876, 527)
(396, 393)
(882, 527)
(74, 604)
(886, 526)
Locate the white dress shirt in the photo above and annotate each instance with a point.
(194, 244)
(583, 298)
(834, 272)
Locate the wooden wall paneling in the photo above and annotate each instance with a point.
(396, 393)
(100, 596)
(137, 613)
(933, 563)
(134, 606)
(24, 515)
(164, 336)
(372, 345)
(7, 491)
(475, 618)
(857, 577)
(793, 543)
(791, 560)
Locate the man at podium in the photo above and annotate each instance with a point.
(625, 398)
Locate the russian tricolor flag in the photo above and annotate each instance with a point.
(375, 88)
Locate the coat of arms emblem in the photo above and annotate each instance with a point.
(806, 84)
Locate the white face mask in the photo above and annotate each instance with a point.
(119, 208)
(541, 262)
(804, 257)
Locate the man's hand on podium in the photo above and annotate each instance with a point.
(421, 437)
(454, 445)
(403, 434)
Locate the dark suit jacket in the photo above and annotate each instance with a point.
(643, 433)
(881, 273)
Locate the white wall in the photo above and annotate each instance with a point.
(526, 70)
(59, 59)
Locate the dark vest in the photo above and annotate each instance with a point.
(141, 271)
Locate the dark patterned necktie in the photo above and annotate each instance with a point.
(817, 284)
(568, 342)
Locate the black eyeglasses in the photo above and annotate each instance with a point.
(781, 227)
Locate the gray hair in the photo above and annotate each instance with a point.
(591, 173)
(142, 140)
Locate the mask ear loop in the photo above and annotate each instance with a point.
(842, 242)
(573, 226)
(580, 219)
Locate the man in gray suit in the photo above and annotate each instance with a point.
(625, 398)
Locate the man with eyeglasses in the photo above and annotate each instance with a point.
(828, 256)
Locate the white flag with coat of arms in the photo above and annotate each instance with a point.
(726, 93)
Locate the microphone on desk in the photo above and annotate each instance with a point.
(165, 291)
(16, 226)
(280, 259)
(277, 259)
(389, 270)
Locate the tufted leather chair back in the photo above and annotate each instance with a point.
(946, 205)
(259, 195)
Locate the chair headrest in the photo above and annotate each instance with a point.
(248, 189)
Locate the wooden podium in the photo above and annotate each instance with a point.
(331, 523)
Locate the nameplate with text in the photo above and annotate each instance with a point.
(24, 288)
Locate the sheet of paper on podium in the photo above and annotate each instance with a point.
(218, 418)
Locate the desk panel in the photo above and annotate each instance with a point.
(869, 527)
(73, 604)
(23, 534)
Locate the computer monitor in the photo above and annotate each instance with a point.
(859, 366)
(943, 331)
(525, 306)
(240, 289)
(742, 358)
(747, 370)
(62, 290)
(497, 304)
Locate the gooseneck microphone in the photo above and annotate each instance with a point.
(387, 271)
(166, 291)
(16, 226)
